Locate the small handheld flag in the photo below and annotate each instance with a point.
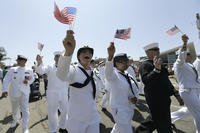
(66, 15)
(174, 30)
(69, 14)
(40, 46)
(123, 34)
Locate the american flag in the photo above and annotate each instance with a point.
(123, 34)
(173, 31)
(40, 46)
(68, 14)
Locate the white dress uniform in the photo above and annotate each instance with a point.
(198, 26)
(121, 109)
(196, 64)
(180, 114)
(189, 86)
(105, 99)
(19, 92)
(83, 116)
(98, 82)
(57, 97)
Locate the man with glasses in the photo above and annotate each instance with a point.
(123, 90)
(158, 89)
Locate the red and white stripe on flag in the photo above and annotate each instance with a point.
(68, 14)
(40, 46)
(65, 16)
(123, 34)
(173, 31)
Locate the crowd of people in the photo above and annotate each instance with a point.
(73, 89)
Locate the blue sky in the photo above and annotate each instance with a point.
(24, 23)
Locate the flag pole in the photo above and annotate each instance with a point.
(180, 30)
(74, 21)
(114, 40)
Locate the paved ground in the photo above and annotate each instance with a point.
(38, 117)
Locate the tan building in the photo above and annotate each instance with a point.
(169, 56)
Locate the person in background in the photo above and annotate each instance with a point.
(57, 93)
(188, 81)
(83, 116)
(19, 79)
(196, 64)
(106, 96)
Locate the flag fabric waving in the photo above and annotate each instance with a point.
(173, 31)
(66, 16)
(123, 34)
(69, 14)
(40, 46)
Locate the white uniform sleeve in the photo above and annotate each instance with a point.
(180, 60)
(109, 71)
(64, 68)
(7, 80)
(197, 65)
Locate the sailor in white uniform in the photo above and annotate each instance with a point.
(57, 95)
(83, 116)
(196, 64)
(19, 79)
(189, 84)
(123, 91)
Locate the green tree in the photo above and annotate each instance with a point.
(3, 55)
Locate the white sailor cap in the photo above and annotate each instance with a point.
(21, 57)
(151, 46)
(57, 53)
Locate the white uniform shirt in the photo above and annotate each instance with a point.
(14, 78)
(131, 71)
(120, 88)
(54, 83)
(184, 72)
(1, 73)
(196, 64)
(82, 105)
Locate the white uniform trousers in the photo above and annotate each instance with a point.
(180, 114)
(75, 126)
(192, 102)
(57, 100)
(105, 99)
(122, 120)
(20, 104)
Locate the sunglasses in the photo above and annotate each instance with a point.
(155, 49)
(122, 61)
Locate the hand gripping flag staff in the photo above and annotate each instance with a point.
(174, 30)
(123, 34)
(66, 16)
